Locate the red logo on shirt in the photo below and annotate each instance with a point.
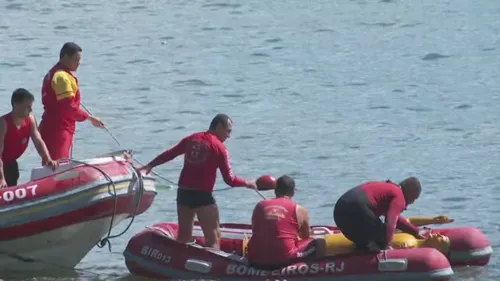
(197, 152)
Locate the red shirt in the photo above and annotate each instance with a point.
(61, 100)
(387, 199)
(16, 139)
(203, 153)
(275, 231)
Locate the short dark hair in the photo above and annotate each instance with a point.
(285, 185)
(69, 48)
(20, 95)
(219, 119)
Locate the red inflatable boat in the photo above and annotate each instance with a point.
(154, 253)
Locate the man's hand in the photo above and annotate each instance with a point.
(96, 122)
(3, 183)
(146, 169)
(53, 164)
(251, 184)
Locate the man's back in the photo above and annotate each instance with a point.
(275, 231)
(202, 157)
(381, 194)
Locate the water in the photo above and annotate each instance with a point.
(331, 92)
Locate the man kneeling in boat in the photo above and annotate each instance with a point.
(357, 212)
(280, 230)
(16, 128)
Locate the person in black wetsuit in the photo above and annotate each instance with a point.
(357, 212)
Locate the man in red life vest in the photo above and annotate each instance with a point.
(61, 103)
(16, 128)
(281, 230)
(357, 212)
(204, 153)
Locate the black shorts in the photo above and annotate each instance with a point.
(11, 173)
(194, 198)
(354, 217)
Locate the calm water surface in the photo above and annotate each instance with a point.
(331, 92)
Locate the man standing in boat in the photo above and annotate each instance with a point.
(281, 230)
(16, 127)
(61, 103)
(204, 153)
(357, 212)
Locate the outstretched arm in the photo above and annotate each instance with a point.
(169, 154)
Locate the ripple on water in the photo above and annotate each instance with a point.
(191, 82)
(233, 95)
(14, 6)
(161, 120)
(258, 54)
(12, 64)
(434, 56)
(321, 30)
(455, 199)
(60, 27)
(379, 107)
(454, 130)
(221, 5)
(463, 106)
(189, 112)
(418, 109)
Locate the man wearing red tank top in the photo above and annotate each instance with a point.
(204, 153)
(280, 230)
(16, 127)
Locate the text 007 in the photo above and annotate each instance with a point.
(18, 193)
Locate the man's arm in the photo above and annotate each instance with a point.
(304, 224)
(169, 154)
(226, 170)
(405, 225)
(40, 146)
(3, 131)
(61, 83)
(396, 206)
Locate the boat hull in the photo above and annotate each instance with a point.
(71, 210)
(468, 245)
(154, 253)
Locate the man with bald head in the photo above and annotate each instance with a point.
(357, 212)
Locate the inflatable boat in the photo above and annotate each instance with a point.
(154, 253)
(57, 217)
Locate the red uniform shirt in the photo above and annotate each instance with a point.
(387, 199)
(61, 101)
(16, 139)
(275, 231)
(203, 153)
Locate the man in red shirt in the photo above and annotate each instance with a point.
(61, 103)
(204, 153)
(280, 230)
(16, 127)
(357, 212)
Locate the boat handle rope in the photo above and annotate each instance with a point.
(137, 179)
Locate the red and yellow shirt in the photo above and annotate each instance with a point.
(61, 100)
